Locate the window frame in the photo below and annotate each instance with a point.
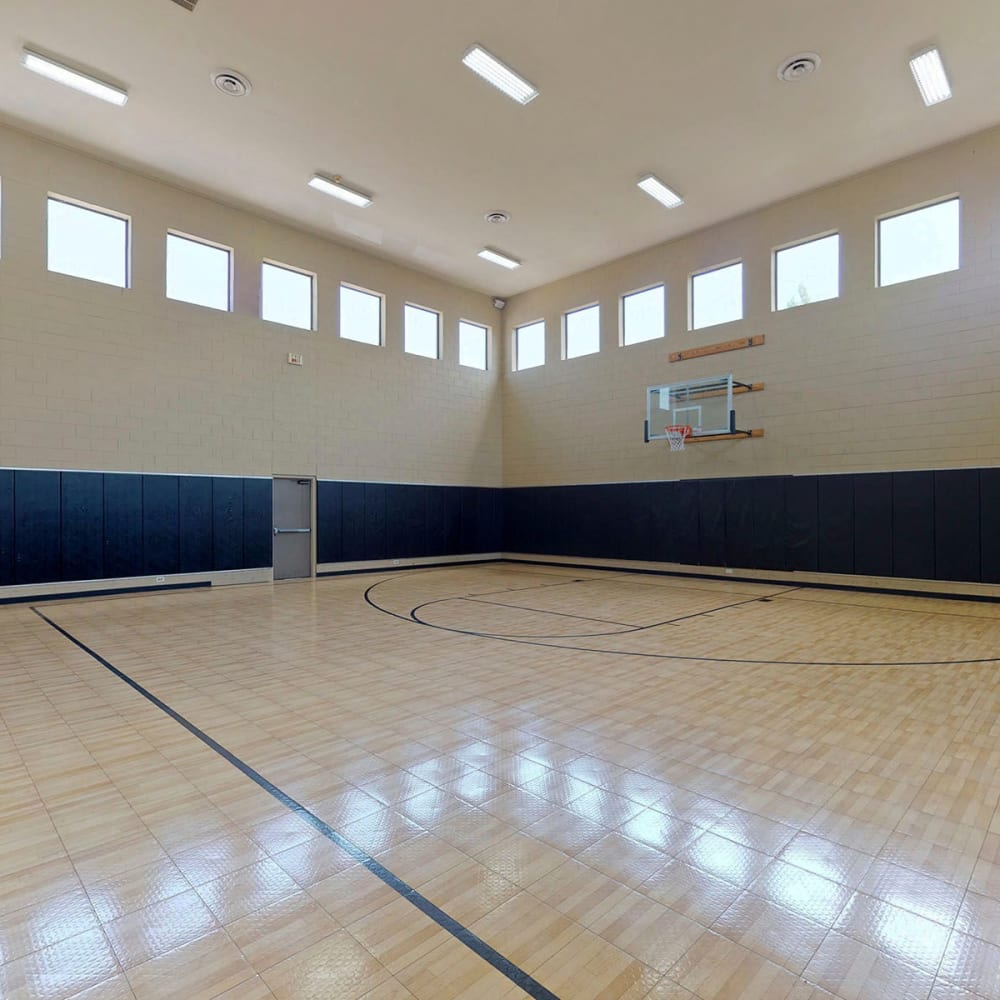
(621, 314)
(230, 252)
(97, 210)
(711, 270)
(516, 346)
(488, 335)
(440, 323)
(313, 297)
(898, 213)
(566, 356)
(381, 313)
(801, 243)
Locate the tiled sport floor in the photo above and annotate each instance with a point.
(610, 786)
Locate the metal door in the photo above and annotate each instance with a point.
(292, 549)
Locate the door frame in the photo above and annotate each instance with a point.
(312, 525)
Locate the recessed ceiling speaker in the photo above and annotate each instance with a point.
(799, 67)
(231, 83)
(497, 218)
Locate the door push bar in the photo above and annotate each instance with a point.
(292, 531)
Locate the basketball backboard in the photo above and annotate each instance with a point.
(704, 404)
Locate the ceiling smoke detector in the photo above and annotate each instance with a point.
(497, 218)
(799, 67)
(232, 83)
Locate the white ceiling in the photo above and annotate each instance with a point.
(375, 90)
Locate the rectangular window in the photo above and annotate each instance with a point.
(361, 315)
(421, 331)
(529, 346)
(473, 341)
(717, 296)
(918, 243)
(582, 331)
(644, 315)
(287, 295)
(88, 242)
(807, 272)
(199, 272)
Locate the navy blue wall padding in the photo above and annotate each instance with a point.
(712, 518)
(739, 523)
(434, 537)
(257, 523)
(835, 495)
(452, 519)
(913, 525)
(161, 550)
(679, 521)
(6, 527)
(802, 523)
(329, 528)
(353, 522)
(37, 557)
(396, 518)
(195, 524)
(770, 516)
(82, 518)
(957, 545)
(414, 545)
(989, 524)
(227, 523)
(375, 540)
(873, 526)
(122, 525)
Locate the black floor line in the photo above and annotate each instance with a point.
(544, 611)
(472, 941)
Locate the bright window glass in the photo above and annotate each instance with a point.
(472, 345)
(919, 243)
(529, 346)
(808, 272)
(360, 315)
(717, 296)
(582, 331)
(198, 272)
(286, 296)
(421, 331)
(87, 243)
(644, 315)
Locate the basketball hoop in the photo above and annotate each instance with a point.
(677, 434)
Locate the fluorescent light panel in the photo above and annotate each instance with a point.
(339, 190)
(499, 75)
(655, 188)
(495, 257)
(72, 78)
(932, 81)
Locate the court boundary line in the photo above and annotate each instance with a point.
(459, 931)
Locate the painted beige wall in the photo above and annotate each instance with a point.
(905, 377)
(94, 377)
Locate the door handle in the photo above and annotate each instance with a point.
(292, 531)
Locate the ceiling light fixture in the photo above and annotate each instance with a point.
(496, 257)
(499, 75)
(655, 188)
(232, 83)
(335, 186)
(83, 82)
(932, 80)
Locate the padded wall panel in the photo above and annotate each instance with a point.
(452, 520)
(802, 523)
(257, 523)
(329, 504)
(82, 521)
(6, 527)
(195, 524)
(435, 531)
(415, 521)
(122, 525)
(681, 522)
(375, 535)
(353, 522)
(739, 523)
(395, 521)
(835, 505)
(989, 520)
(470, 514)
(770, 517)
(873, 531)
(487, 534)
(160, 525)
(37, 535)
(518, 518)
(712, 518)
(957, 543)
(227, 523)
(913, 525)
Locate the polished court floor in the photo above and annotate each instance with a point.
(500, 781)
